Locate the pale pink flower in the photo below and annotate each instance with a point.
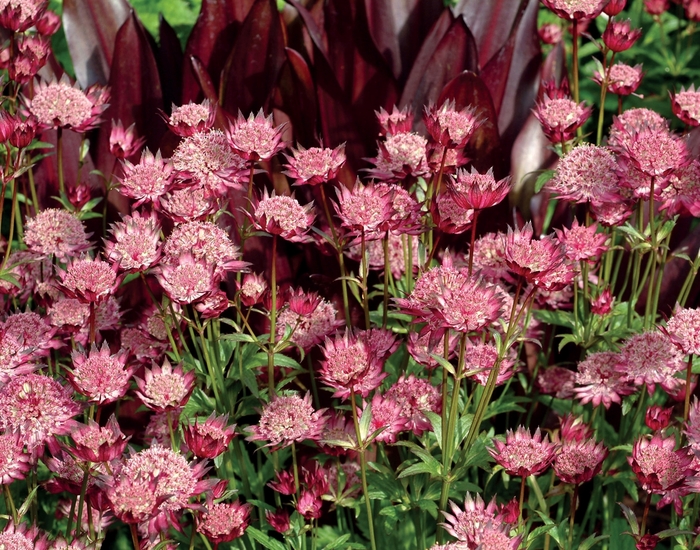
(338, 429)
(488, 258)
(465, 524)
(62, 105)
(682, 195)
(99, 375)
(310, 328)
(141, 346)
(224, 522)
(647, 358)
(632, 120)
(189, 204)
(582, 242)
(478, 191)
(288, 419)
(496, 536)
(449, 216)
(14, 462)
(398, 120)
(57, 232)
(350, 365)
(37, 407)
(252, 289)
(135, 242)
(386, 416)
(255, 138)
(683, 329)
(579, 10)
(157, 431)
(148, 180)
(134, 500)
(480, 359)
(89, 280)
(585, 173)
(535, 259)
(123, 143)
(191, 118)
(561, 117)
(523, 454)
(450, 127)
(600, 381)
(622, 79)
(556, 381)
(414, 396)
(315, 165)
(164, 388)
(32, 331)
(15, 357)
(686, 105)
(579, 461)
(207, 160)
(282, 215)
(23, 537)
(366, 209)
(400, 155)
(206, 241)
(210, 438)
(187, 280)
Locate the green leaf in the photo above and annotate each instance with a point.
(592, 541)
(261, 538)
(10, 278)
(436, 423)
(542, 179)
(421, 468)
(631, 518)
(337, 543)
(365, 421)
(449, 367)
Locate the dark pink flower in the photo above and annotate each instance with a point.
(550, 33)
(450, 127)
(577, 462)
(620, 36)
(686, 105)
(309, 505)
(556, 381)
(100, 376)
(579, 10)
(560, 118)
(123, 143)
(535, 259)
(315, 165)
(164, 388)
(657, 418)
(20, 15)
(95, 443)
(523, 454)
(656, 7)
(288, 419)
(192, 118)
(614, 7)
(602, 304)
(284, 483)
(48, 24)
(478, 191)
(224, 522)
(278, 520)
(399, 120)
(582, 242)
(210, 438)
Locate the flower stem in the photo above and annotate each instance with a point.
(364, 264)
(296, 470)
(10, 503)
(8, 250)
(387, 269)
(572, 516)
(135, 536)
(81, 501)
(59, 161)
(341, 258)
(574, 58)
(363, 469)
(647, 505)
(688, 376)
(603, 93)
(471, 242)
(522, 497)
(273, 320)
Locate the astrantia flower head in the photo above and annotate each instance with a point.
(191, 118)
(210, 438)
(164, 388)
(450, 217)
(62, 105)
(422, 349)
(683, 329)
(686, 105)
(620, 36)
(600, 381)
(251, 289)
(401, 155)
(206, 241)
(315, 165)
(135, 242)
(682, 195)
(533, 259)
(647, 358)
(657, 418)
(478, 191)
(14, 462)
(557, 381)
(23, 537)
(465, 524)
(560, 118)
(622, 79)
(255, 138)
(30, 56)
(386, 416)
(350, 365)
(578, 10)
(654, 153)
(309, 328)
(282, 215)
(224, 522)
(288, 419)
(124, 143)
(366, 209)
(95, 443)
(89, 280)
(20, 15)
(582, 242)
(634, 120)
(450, 127)
(585, 173)
(37, 407)
(480, 359)
(99, 375)
(523, 454)
(187, 205)
(148, 180)
(415, 396)
(579, 461)
(550, 33)
(398, 120)
(186, 280)
(206, 160)
(58, 232)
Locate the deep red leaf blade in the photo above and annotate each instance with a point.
(298, 98)
(170, 62)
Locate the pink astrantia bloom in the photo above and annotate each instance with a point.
(210, 438)
(224, 522)
(20, 15)
(622, 79)
(315, 165)
(288, 419)
(123, 143)
(556, 381)
(682, 196)
(657, 418)
(100, 376)
(284, 483)
(620, 36)
(415, 396)
(191, 118)
(661, 469)
(282, 215)
(535, 259)
(647, 358)
(186, 280)
(206, 241)
(164, 388)
(398, 120)
(560, 118)
(582, 242)
(14, 462)
(585, 173)
(37, 407)
(478, 191)
(421, 348)
(465, 524)
(57, 232)
(386, 416)
(600, 381)
(683, 329)
(147, 181)
(450, 127)
(255, 138)
(32, 331)
(550, 33)
(367, 209)
(310, 328)
(479, 362)
(95, 443)
(23, 537)
(251, 289)
(187, 205)
(577, 462)
(62, 105)
(350, 366)
(573, 429)
(206, 160)
(579, 10)
(449, 217)
(401, 155)
(686, 105)
(89, 280)
(634, 120)
(135, 242)
(278, 520)
(523, 454)
(603, 303)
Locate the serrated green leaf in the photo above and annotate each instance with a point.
(421, 468)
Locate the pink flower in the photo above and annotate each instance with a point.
(315, 165)
(620, 36)
(683, 329)
(14, 462)
(48, 24)
(577, 462)
(556, 381)
(147, 181)
(449, 216)
(560, 118)
(399, 120)
(350, 365)
(23, 537)
(647, 358)
(682, 196)
(480, 360)
(600, 380)
(186, 205)
(56, 232)
(124, 143)
(634, 120)
(622, 79)
(387, 416)
(573, 429)
(30, 56)
(579, 10)
(401, 155)
(99, 376)
(614, 7)
(309, 505)
(582, 242)
(533, 259)
(210, 438)
(164, 388)
(95, 443)
(657, 418)
(191, 118)
(187, 280)
(656, 7)
(478, 191)
(414, 396)
(450, 127)
(523, 454)
(288, 419)
(602, 304)
(686, 105)
(89, 280)
(20, 15)
(421, 348)
(550, 33)
(282, 215)
(135, 242)
(36, 407)
(62, 105)
(278, 520)
(284, 483)
(311, 327)
(224, 522)
(366, 209)
(252, 289)
(466, 524)
(255, 138)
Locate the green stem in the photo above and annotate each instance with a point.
(471, 244)
(296, 469)
(59, 162)
(364, 264)
(81, 501)
(273, 321)
(314, 387)
(8, 250)
(572, 516)
(688, 376)
(341, 258)
(363, 469)
(574, 55)
(603, 92)
(10, 503)
(387, 270)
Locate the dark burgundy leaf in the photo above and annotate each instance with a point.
(211, 40)
(253, 66)
(170, 61)
(91, 28)
(298, 98)
(447, 51)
